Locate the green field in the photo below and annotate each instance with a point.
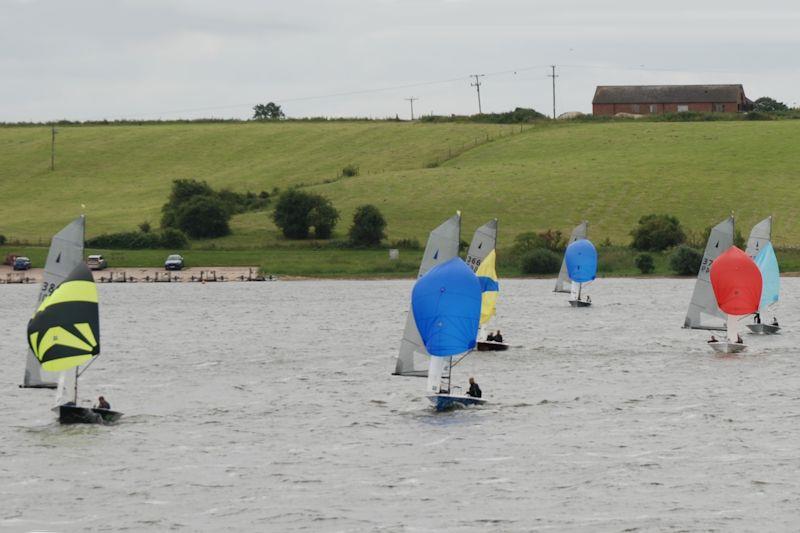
(543, 176)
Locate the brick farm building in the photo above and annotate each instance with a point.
(656, 99)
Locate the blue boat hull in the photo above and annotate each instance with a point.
(445, 402)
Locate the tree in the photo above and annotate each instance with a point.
(657, 232)
(182, 192)
(368, 226)
(645, 264)
(768, 105)
(296, 212)
(271, 111)
(685, 261)
(540, 261)
(203, 217)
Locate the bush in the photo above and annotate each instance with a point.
(183, 191)
(297, 211)
(145, 227)
(174, 238)
(138, 240)
(685, 261)
(645, 264)
(203, 217)
(656, 233)
(406, 244)
(368, 226)
(2, 239)
(540, 261)
(350, 171)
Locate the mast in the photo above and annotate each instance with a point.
(75, 399)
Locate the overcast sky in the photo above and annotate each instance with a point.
(95, 59)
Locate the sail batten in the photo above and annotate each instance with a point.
(703, 304)
(66, 252)
(442, 246)
(563, 283)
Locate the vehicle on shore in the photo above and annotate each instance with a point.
(96, 262)
(174, 262)
(21, 263)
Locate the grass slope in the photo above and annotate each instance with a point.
(549, 176)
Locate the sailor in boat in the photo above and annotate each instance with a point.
(102, 403)
(757, 318)
(774, 321)
(474, 389)
(713, 339)
(588, 299)
(739, 339)
(498, 337)
(490, 337)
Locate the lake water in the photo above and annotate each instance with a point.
(270, 407)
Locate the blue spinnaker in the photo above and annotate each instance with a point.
(770, 275)
(446, 303)
(581, 260)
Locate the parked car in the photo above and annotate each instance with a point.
(174, 262)
(96, 262)
(22, 263)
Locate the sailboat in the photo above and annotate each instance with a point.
(737, 285)
(759, 248)
(704, 313)
(581, 259)
(482, 259)
(442, 246)
(767, 264)
(64, 335)
(66, 252)
(446, 303)
(563, 283)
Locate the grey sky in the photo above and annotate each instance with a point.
(94, 59)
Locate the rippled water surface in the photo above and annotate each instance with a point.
(269, 407)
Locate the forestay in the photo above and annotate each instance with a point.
(703, 307)
(563, 283)
(66, 252)
(442, 246)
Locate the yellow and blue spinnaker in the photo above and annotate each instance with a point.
(487, 275)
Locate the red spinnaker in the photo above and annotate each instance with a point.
(737, 282)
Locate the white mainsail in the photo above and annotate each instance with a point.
(563, 284)
(442, 246)
(760, 235)
(704, 305)
(483, 242)
(66, 252)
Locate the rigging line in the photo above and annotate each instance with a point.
(649, 69)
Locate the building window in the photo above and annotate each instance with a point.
(719, 108)
(683, 108)
(635, 108)
(653, 108)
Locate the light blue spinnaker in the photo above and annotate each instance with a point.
(581, 259)
(770, 274)
(446, 303)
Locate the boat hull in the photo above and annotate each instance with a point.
(71, 414)
(491, 346)
(763, 329)
(445, 402)
(579, 303)
(727, 347)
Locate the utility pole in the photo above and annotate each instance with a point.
(411, 100)
(554, 76)
(477, 86)
(53, 132)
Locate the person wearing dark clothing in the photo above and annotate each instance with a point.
(498, 337)
(474, 389)
(774, 321)
(713, 339)
(739, 339)
(102, 403)
(757, 318)
(490, 337)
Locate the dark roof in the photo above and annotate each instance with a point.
(666, 94)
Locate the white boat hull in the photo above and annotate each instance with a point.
(727, 347)
(763, 329)
(579, 303)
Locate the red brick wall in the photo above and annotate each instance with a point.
(644, 109)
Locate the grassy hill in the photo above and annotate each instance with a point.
(546, 176)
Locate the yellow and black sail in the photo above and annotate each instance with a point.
(65, 331)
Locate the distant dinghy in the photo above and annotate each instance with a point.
(759, 248)
(563, 283)
(704, 313)
(446, 304)
(66, 252)
(64, 335)
(581, 258)
(737, 286)
(412, 359)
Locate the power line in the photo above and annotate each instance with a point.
(411, 101)
(477, 86)
(554, 76)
